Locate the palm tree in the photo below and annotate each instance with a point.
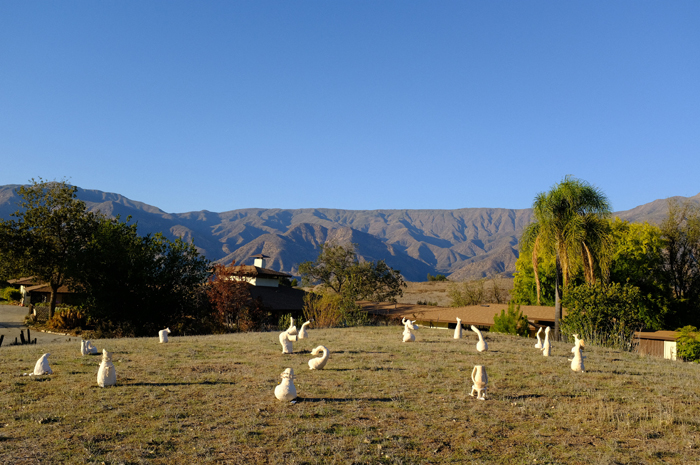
(571, 224)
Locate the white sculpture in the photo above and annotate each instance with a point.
(292, 330)
(458, 329)
(480, 380)
(286, 389)
(481, 346)
(86, 348)
(408, 327)
(42, 366)
(163, 334)
(577, 361)
(302, 332)
(546, 345)
(319, 362)
(539, 340)
(106, 375)
(576, 341)
(286, 340)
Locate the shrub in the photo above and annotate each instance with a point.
(513, 322)
(437, 277)
(11, 294)
(688, 344)
(284, 322)
(470, 293)
(426, 302)
(67, 318)
(604, 314)
(324, 309)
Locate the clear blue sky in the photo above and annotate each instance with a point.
(351, 104)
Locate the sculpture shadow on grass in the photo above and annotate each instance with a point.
(344, 399)
(180, 383)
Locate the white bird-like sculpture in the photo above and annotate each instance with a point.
(292, 330)
(546, 345)
(286, 389)
(481, 346)
(577, 361)
(163, 334)
(106, 375)
(576, 340)
(319, 362)
(86, 348)
(286, 340)
(408, 327)
(480, 380)
(539, 340)
(302, 332)
(42, 366)
(458, 329)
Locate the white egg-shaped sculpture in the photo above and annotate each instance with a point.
(106, 375)
(481, 345)
(480, 380)
(286, 390)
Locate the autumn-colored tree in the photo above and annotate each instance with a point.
(229, 295)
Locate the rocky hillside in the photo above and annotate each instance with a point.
(464, 243)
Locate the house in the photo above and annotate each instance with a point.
(265, 285)
(34, 291)
(657, 343)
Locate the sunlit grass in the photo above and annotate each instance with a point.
(210, 400)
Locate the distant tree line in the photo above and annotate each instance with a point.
(129, 284)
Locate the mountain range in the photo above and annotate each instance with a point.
(462, 244)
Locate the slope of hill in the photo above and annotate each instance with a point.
(463, 243)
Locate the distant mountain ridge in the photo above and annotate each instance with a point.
(463, 243)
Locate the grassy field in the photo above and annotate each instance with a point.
(210, 400)
(437, 291)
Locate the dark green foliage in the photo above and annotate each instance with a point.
(437, 277)
(10, 293)
(688, 344)
(139, 285)
(604, 314)
(513, 322)
(47, 235)
(426, 302)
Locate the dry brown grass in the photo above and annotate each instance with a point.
(210, 400)
(437, 291)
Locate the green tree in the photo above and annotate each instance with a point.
(680, 232)
(339, 270)
(48, 234)
(571, 225)
(135, 285)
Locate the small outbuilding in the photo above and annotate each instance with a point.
(656, 343)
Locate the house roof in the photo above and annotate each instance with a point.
(656, 335)
(28, 280)
(47, 288)
(257, 272)
(478, 315)
(279, 298)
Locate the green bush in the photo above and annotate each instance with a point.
(437, 277)
(284, 322)
(604, 314)
(513, 322)
(688, 344)
(427, 302)
(11, 294)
